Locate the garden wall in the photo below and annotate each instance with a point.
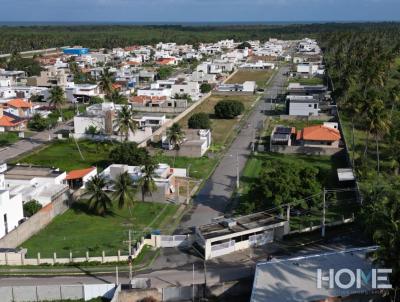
(305, 150)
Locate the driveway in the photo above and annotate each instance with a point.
(215, 195)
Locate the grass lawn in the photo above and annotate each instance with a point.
(65, 155)
(221, 128)
(8, 138)
(200, 168)
(308, 81)
(297, 123)
(78, 230)
(259, 76)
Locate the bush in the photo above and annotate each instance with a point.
(228, 109)
(31, 208)
(38, 123)
(205, 88)
(199, 120)
(128, 153)
(244, 45)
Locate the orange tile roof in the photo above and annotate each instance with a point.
(319, 133)
(6, 121)
(116, 86)
(164, 61)
(19, 103)
(77, 174)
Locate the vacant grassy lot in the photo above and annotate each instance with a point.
(8, 138)
(259, 76)
(339, 203)
(78, 230)
(221, 128)
(65, 155)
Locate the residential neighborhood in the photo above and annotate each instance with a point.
(199, 163)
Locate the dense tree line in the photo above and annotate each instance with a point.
(24, 38)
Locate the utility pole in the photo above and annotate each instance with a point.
(116, 276)
(323, 214)
(205, 279)
(193, 283)
(237, 170)
(130, 254)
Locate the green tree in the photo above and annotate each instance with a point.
(165, 72)
(92, 130)
(124, 192)
(128, 153)
(31, 207)
(125, 122)
(57, 98)
(244, 45)
(199, 120)
(228, 109)
(117, 97)
(106, 81)
(205, 88)
(175, 135)
(37, 123)
(98, 200)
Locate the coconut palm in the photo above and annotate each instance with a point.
(378, 124)
(116, 97)
(147, 183)
(106, 81)
(98, 200)
(57, 98)
(125, 122)
(175, 135)
(124, 191)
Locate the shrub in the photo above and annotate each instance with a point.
(38, 123)
(199, 120)
(205, 88)
(31, 208)
(228, 109)
(128, 153)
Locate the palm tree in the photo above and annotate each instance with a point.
(125, 122)
(106, 81)
(379, 124)
(57, 98)
(116, 97)
(98, 200)
(146, 183)
(124, 192)
(175, 135)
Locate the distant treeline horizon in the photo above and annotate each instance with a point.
(19, 37)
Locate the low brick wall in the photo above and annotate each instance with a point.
(305, 150)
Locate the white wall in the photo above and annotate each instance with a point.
(12, 208)
(81, 123)
(303, 109)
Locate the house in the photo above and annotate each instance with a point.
(307, 278)
(77, 179)
(299, 89)
(81, 93)
(246, 87)
(154, 90)
(164, 179)
(103, 118)
(259, 65)
(50, 77)
(195, 144)
(34, 182)
(23, 92)
(282, 135)
(190, 88)
(319, 136)
(167, 61)
(11, 211)
(11, 122)
(302, 105)
(228, 235)
(307, 69)
(11, 77)
(20, 107)
(153, 120)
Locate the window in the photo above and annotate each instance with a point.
(315, 106)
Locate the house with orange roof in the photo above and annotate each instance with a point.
(20, 107)
(326, 135)
(11, 122)
(167, 61)
(78, 178)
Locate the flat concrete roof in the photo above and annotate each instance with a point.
(29, 172)
(238, 224)
(295, 279)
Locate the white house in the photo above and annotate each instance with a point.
(81, 92)
(190, 88)
(303, 105)
(258, 65)
(11, 211)
(307, 68)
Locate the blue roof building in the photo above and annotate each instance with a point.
(76, 51)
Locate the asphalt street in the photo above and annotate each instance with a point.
(215, 196)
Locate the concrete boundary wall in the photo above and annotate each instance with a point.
(56, 292)
(37, 222)
(305, 150)
(18, 258)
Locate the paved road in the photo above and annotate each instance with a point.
(214, 197)
(28, 144)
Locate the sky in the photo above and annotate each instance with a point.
(198, 10)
